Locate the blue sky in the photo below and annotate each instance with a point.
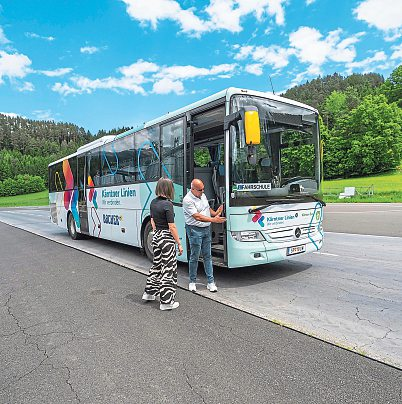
(102, 64)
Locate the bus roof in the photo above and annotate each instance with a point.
(226, 94)
(89, 146)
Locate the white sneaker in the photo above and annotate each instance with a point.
(212, 287)
(192, 287)
(170, 306)
(148, 297)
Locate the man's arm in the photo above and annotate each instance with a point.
(217, 212)
(202, 218)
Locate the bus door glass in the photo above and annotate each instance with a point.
(172, 159)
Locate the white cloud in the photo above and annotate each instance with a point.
(369, 64)
(306, 44)
(65, 89)
(13, 115)
(163, 79)
(89, 49)
(190, 72)
(166, 86)
(255, 68)
(3, 39)
(57, 72)
(14, 65)
(308, 2)
(397, 52)
(273, 55)
(382, 14)
(26, 87)
(223, 14)
(154, 11)
(43, 115)
(310, 47)
(137, 70)
(36, 36)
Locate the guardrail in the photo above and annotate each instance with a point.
(350, 192)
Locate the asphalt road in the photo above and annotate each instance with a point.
(348, 294)
(380, 219)
(74, 329)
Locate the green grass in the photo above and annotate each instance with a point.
(387, 188)
(36, 199)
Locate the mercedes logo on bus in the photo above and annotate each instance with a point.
(297, 232)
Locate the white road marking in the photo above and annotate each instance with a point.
(322, 253)
(366, 211)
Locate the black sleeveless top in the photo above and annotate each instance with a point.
(162, 212)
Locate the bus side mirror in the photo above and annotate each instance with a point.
(252, 131)
(251, 124)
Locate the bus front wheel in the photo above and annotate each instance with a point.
(148, 233)
(72, 229)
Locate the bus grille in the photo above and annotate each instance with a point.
(289, 233)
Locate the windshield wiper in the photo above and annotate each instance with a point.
(274, 202)
(318, 200)
(312, 197)
(287, 199)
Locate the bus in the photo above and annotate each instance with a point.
(258, 154)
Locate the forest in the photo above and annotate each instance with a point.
(360, 125)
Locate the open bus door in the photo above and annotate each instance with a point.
(205, 161)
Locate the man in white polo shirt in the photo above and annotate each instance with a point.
(198, 217)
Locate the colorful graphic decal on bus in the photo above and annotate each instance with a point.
(258, 217)
(92, 192)
(318, 215)
(68, 175)
(92, 195)
(70, 196)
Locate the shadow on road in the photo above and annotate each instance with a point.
(246, 276)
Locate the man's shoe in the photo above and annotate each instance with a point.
(212, 287)
(169, 306)
(146, 296)
(192, 287)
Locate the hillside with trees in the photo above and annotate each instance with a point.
(361, 125)
(28, 146)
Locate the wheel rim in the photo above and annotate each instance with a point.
(72, 227)
(149, 242)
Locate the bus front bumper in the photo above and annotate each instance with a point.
(262, 252)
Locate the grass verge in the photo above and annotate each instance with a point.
(387, 188)
(36, 199)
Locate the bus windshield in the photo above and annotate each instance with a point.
(287, 158)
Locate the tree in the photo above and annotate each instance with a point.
(335, 107)
(392, 87)
(373, 134)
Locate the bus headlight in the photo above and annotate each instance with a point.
(251, 235)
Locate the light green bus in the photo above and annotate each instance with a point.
(258, 154)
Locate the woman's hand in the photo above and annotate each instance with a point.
(180, 249)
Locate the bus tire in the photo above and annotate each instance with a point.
(148, 233)
(72, 229)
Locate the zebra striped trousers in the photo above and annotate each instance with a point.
(162, 278)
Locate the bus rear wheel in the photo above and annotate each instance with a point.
(72, 229)
(148, 234)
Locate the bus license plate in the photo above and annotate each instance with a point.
(296, 249)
